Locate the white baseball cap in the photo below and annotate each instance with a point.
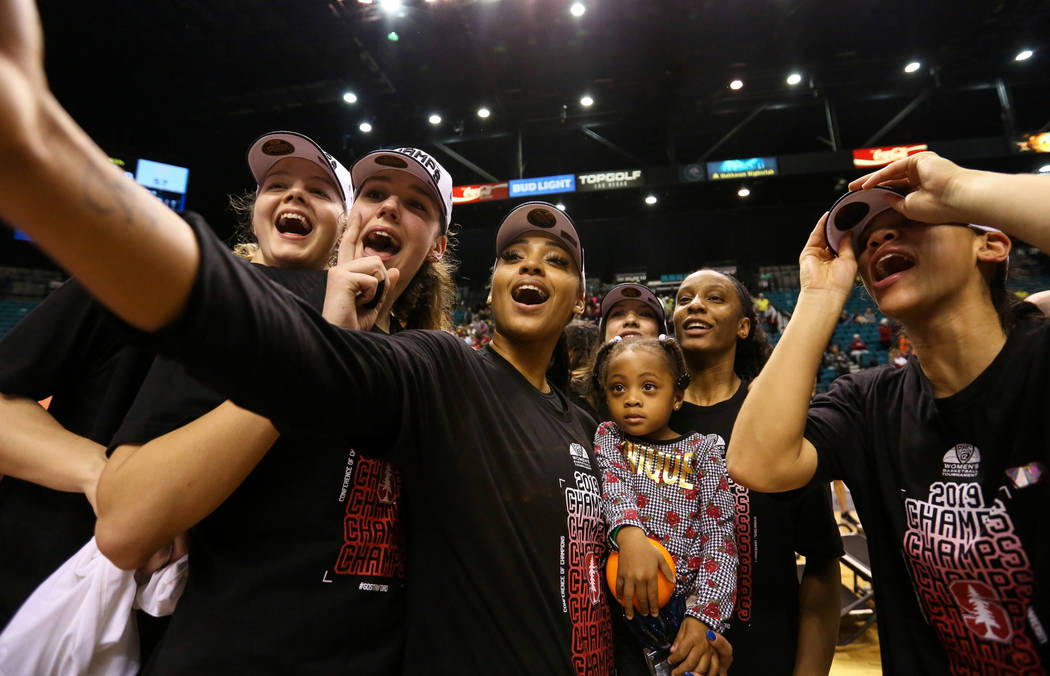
(543, 217)
(416, 162)
(271, 148)
(635, 292)
(851, 214)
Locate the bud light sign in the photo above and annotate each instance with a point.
(542, 186)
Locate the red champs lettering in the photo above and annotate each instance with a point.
(973, 579)
(372, 535)
(589, 614)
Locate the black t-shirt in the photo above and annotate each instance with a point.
(770, 529)
(953, 496)
(301, 569)
(506, 536)
(65, 348)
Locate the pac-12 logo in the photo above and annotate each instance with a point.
(982, 611)
(962, 461)
(579, 456)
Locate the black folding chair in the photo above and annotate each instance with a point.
(857, 601)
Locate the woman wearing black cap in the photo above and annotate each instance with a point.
(778, 626)
(947, 457)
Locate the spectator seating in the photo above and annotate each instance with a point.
(12, 311)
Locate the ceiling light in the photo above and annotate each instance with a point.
(794, 79)
(1045, 169)
(350, 97)
(650, 200)
(366, 127)
(743, 192)
(912, 67)
(365, 2)
(736, 84)
(393, 36)
(390, 6)
(587, 101)
(484, 112)
(1023, 55)
(577, 9)
(561, 206)
(434, 118)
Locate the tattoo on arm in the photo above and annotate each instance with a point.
(107, 194)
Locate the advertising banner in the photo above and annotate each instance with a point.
(467, 194)
(867, 158)
(544, 185)
(609, 180)
(752, 167)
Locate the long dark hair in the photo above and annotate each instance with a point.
(1009, 307)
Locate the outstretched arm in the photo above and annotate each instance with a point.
(944, 192)
(767, 451)
(150, 493)
(128, 249)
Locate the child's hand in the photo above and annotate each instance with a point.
(636, 581)
(691, 651)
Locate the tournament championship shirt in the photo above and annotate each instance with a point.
(770, 529)
(505, 530)
(677, 492)
(66, 349)
(953, 496)
(301, 569)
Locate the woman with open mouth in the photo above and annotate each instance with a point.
(187, 460)
(778, 625)
(946, 457)
(506, 535)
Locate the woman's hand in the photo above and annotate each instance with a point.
(931, 182)
(354, 283)
(823, 271)
(169, 553)
(636, 575)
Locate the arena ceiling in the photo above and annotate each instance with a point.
(192, 82)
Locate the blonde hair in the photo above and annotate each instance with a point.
(245, 243)
(426, 302)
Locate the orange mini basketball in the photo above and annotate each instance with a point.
(664, 586)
